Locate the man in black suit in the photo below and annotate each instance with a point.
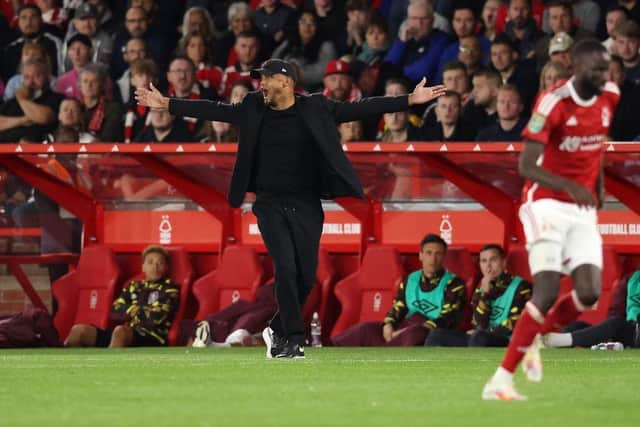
(289, 154)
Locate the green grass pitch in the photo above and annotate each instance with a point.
(395, 387)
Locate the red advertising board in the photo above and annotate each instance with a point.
(132, 228)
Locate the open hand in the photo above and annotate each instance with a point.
(422, 93)
(151, 98)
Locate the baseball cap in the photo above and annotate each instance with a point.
(86, 10)
(560, 43)
(85, 40)
(337, 66)
(274, 66)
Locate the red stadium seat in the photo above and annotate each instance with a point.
(85, 295)
(181, 273)
(518, 262)
(367, 294)
(322, 299)
(238, 275)
(611, 271)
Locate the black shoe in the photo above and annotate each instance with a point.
(291, 351)
(274, 343)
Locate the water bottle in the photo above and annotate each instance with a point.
(316, 331)
(615, 346)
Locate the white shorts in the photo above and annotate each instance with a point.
(560, 236)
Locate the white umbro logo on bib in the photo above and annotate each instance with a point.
(572, 121)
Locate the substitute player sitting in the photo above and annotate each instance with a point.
(562, 163)
(143, 312)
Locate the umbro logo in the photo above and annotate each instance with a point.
(636, 299)
(496, 312)
(424, 306)
(572, 121)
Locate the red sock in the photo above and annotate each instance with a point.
(564, 311)
(527, 328)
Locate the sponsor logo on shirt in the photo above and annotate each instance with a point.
(536, 123)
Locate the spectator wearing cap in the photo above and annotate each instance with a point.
(627, 44)
(79, 53)
(560, 50)
(504, 59)
(31, 29)
(136, 24)
(521, 29)
(417, 50)
(464, 24)
(85, 21)
(338, 83)
(561, 20)
(306, 49)
(510, 121)
(248, 55)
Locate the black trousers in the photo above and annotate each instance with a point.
(291, 226)
(610, 329)
(455, 338)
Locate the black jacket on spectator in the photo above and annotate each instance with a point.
(33, 133)
(625, 125)
(320, 114)
(332, 27)
(463, 132)
(525, 78)
(179, 133)
(477, 117)
(495, 133)
(526, 46)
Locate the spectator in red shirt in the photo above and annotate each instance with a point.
(247, 50)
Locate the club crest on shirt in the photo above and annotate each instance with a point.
(606, 117)
(536, 123)
(153, 297)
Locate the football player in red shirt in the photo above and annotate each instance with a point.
(562, 165)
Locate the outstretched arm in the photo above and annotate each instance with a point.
(196, 108)
(350, 111)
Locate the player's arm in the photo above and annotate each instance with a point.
(196, 108)
(396, 314)
(529, 169)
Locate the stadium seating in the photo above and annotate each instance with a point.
(85, 295)
(366, 295)
(181, 272)
(238, 275)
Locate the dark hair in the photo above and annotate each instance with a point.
(248, 35)
(454, 65)
(399, 81)
(244, 83)
(375, 20)
(364, 5)
(155, 249)
(586, 47)
(183, 58)
(503, 39)
(489, 74)
(29, 6)
(618, 60)
(496, 247)
(617, 8)
(528, 2)
(566, 5)
(464, 6)
(432, 238)
(629, 28)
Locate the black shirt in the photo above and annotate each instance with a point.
(495, 133)
(179, 133)
(35, 132)
(462, 132)
(286, 156)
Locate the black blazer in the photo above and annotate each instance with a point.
(320, 114)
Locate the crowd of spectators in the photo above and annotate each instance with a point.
(69, 67)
